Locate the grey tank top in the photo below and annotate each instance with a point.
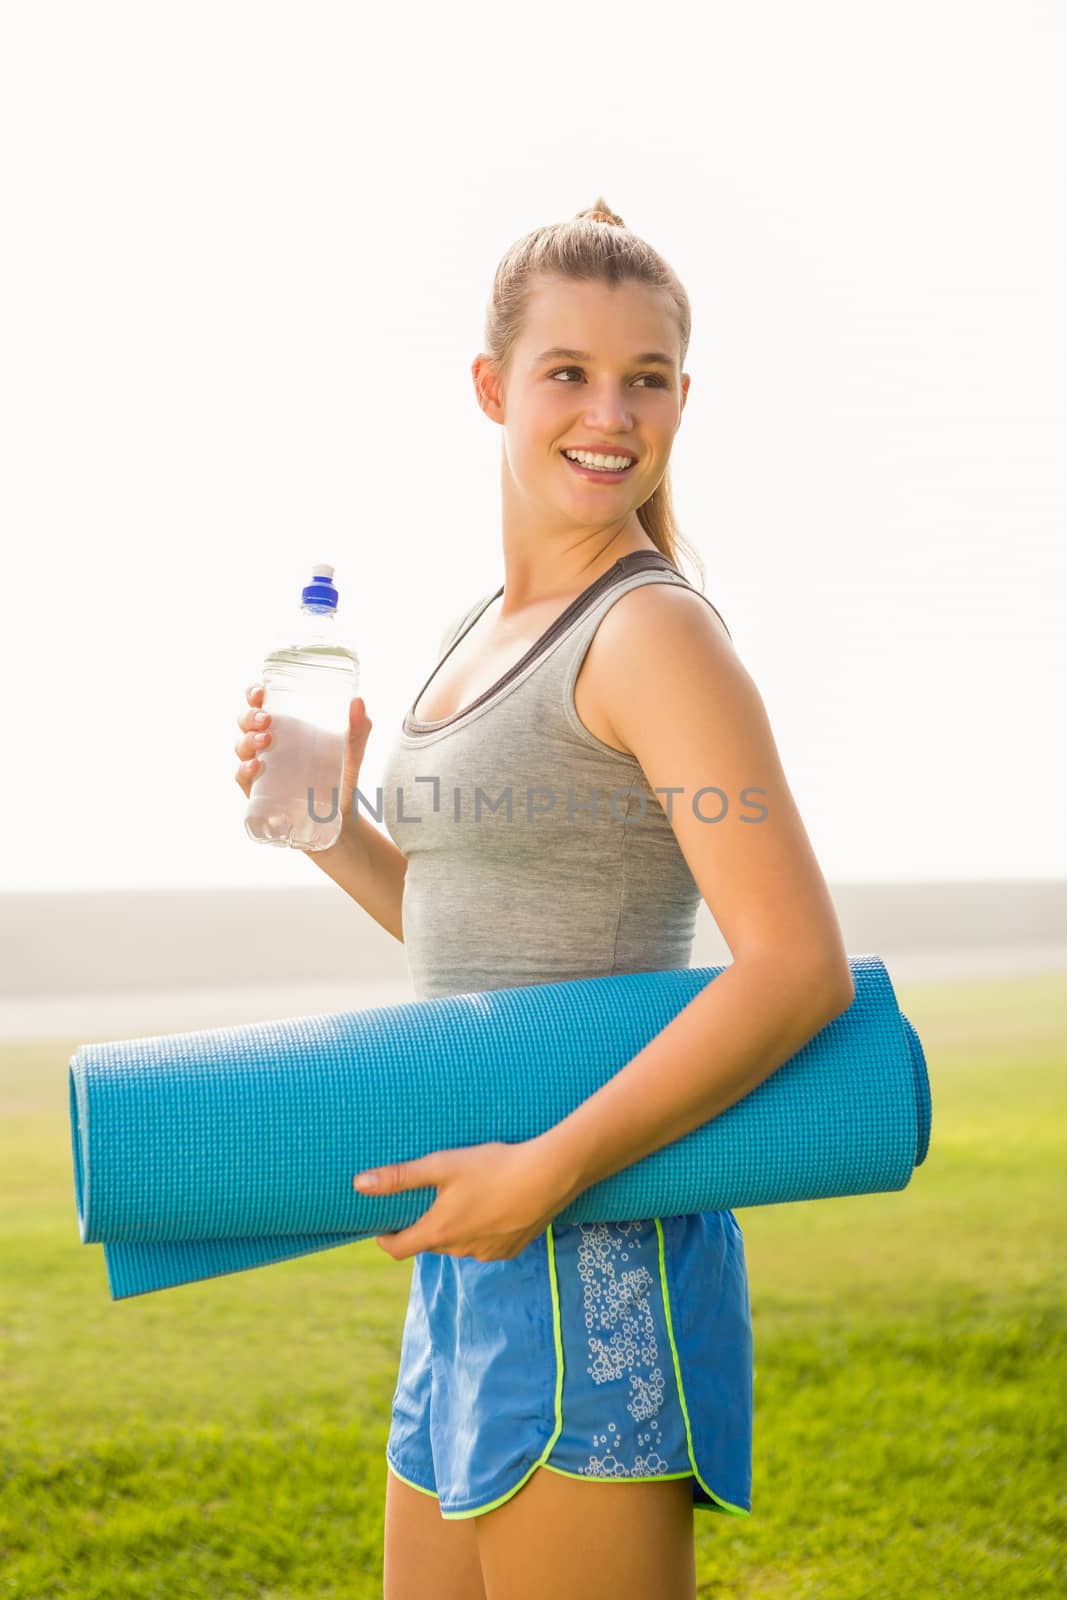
(536, 853)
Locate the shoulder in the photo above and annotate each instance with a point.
(663, 634)
(659, 647)
(690, 714)
(654, 609)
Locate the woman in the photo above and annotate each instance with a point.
(588, 758)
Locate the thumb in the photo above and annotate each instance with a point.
(398, 1175)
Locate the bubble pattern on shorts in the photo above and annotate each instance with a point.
(623, 1347)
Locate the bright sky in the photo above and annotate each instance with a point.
(247, 254)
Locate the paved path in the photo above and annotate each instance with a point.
(135, 1013)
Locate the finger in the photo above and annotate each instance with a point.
(253, 719)
(254, 694)
(359, 724)
(383, 1180)
(246, 773)
(428, 1171)
(252, 744)
(407, 1242)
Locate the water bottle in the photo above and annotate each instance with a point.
(308, 679)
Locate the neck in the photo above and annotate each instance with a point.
(545, 561)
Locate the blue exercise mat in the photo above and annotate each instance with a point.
(203, 1153)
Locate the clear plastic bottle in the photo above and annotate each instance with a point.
(308, 679)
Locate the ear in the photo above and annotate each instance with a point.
(487, 387)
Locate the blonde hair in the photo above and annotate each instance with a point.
(592, 246)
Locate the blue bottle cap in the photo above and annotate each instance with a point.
(320, 591)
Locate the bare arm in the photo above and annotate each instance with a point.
(739, 1029)
(364, 861)
(668, 679)
(368, 866)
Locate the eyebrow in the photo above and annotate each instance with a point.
(650, 357)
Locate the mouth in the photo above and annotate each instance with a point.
(598, 474)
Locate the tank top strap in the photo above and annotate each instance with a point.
(459, 625)
(638, 561)
(558, 685)
(631, 573)
(564, 642)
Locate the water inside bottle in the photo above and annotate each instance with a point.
(295, 798)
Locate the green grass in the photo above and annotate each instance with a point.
(225, 1439)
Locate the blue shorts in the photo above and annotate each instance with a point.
(618, 1351)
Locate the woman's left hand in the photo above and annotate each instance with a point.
(492, 1200)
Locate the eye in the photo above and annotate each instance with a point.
(657, 381)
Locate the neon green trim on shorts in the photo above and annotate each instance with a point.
(557, 1338)
(542, 1461)
(737, 1511)
(410, 1481)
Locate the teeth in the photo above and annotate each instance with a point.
(602, 463)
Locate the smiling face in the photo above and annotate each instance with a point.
(612, 393)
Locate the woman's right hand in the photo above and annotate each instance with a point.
(256, 737)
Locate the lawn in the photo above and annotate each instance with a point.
(225, 1439)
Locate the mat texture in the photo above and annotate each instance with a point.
(209, 1152)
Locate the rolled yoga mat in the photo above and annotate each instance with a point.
(203, 1153)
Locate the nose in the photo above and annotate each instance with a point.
(607, 411)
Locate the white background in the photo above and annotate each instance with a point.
(247, 251)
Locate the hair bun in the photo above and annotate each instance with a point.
(600, 211)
